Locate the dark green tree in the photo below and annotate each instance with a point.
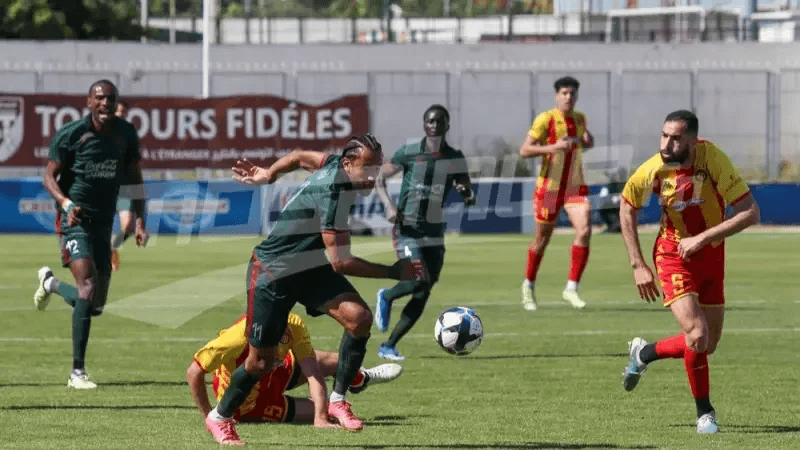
(70, 19)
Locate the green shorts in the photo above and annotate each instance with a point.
(269, 300)
(86, 241)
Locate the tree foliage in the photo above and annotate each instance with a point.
(66, 19)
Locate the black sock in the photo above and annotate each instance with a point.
(648, 353)
(351, 354)
(81, 323)
(239, 388)
(411, 313)
(400, 289)
(703, 406)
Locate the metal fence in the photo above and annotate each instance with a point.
(752, 114)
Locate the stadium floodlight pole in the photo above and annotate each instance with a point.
(207, 7)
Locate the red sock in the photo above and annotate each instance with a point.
(579, 258)
(671, 347)
(697, 369)
(358, 380)
(533, 265)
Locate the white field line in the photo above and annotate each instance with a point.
(415, 336)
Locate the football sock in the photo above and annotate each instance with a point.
(670, 347)
(360, 379)
(529, 284)
(579, 256)
(67, 291)
(239, 388)
(81, 323)
(351, 354)
(411, 313)
(400, 289)
(336, 397)
(533, 264)
(118, 239)
(572, 285)
(703, 406)
(696, 365)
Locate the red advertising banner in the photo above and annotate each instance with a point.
(186, 133)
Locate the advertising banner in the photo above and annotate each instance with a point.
(189, 133)
(182, 207)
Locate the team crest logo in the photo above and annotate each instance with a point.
(11, 126)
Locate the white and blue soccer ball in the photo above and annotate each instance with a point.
(459, 330)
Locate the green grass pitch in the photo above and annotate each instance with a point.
(549, 379)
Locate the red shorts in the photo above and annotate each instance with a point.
(267, 401)
(703, 274)
(547, 204)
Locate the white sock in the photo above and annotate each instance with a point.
(529, 284)
(51, 285)
(216, 416)
(336, 397)
(572, 285)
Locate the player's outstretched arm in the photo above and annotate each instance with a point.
(388, 170)
(246, 172)
(317, 390)
(745, 215)
(642, 275)
(196, 377)
(337, 243)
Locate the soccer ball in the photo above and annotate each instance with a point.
(458, 330)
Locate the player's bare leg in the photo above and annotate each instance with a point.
(535, 253)
(580, 215)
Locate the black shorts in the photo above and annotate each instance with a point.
(429, 251)
(269, 299)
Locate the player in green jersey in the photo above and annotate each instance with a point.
(290, 267)
(89, 159)
(430, 169)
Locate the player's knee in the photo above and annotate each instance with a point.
(697, 338)
(583, 235)
(86, 290)
(360, 322)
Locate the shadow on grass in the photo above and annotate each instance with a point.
(596, 355)
(750, 429)
(85, 407)
(102, 385)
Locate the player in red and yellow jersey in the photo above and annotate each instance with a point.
(559, 136)
(694, 181)
(297, 364)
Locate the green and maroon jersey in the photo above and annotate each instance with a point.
(321, 204)
(94, 165)
(427, 179)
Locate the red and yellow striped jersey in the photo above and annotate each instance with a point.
(229, 349)
(692, 199)
(561, 172)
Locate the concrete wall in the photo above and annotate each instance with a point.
(747, 95)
